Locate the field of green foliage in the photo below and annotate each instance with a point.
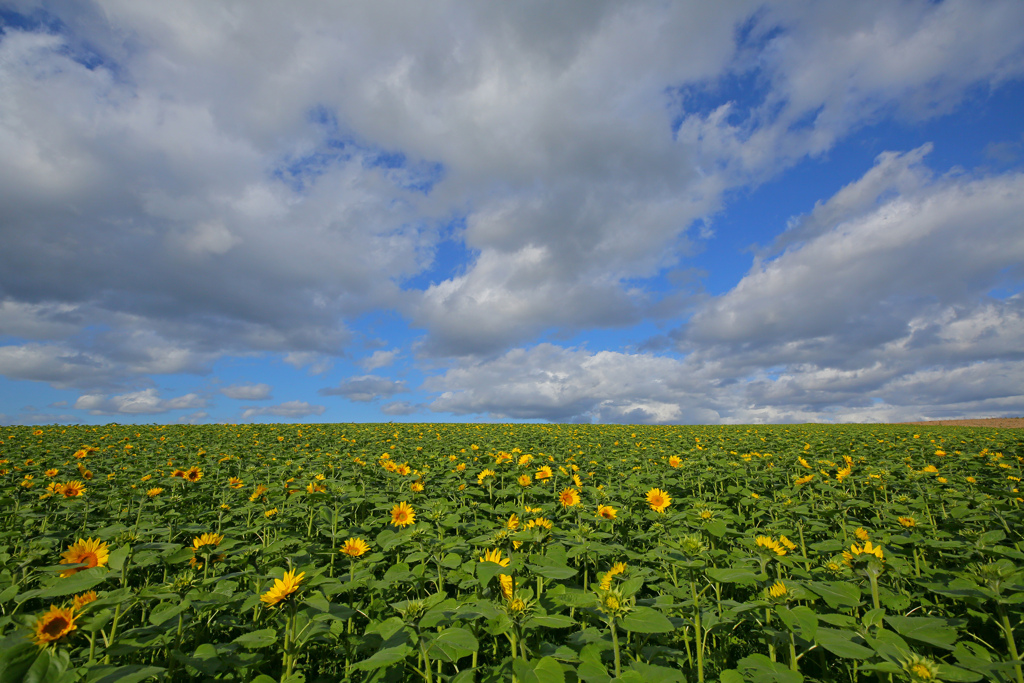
(534, 553)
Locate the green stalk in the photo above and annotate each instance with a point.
(697, 631)
(1010, 643)
(615, 646)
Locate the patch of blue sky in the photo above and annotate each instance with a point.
(75, 48)
(336, 148)
(451, 257)
(962, 139)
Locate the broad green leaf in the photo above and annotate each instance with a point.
(384, 658)
(123, 674)
(932, 630)
(452, 644)
(840, 642)
(646, 620)
(257, 639)
(836, 594)
(549, 621)
(731, 575)
(763, 670)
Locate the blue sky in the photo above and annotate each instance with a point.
(637, 212)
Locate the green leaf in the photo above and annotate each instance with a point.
(836, 594)
(576, 599)
(116, 559)
(167, 610)
(552, 571)
(731, 575)
(257, 639)
(716, 527)
(384, 658)
(80, 582)
(759, 668)
(931, 630)
(452, 644)
(123, 674)
(840, 642)
(592, 672)
(485, 571)
(653, 673)
(549, 621)
(800, 620)
(546, 670)
(646, 620)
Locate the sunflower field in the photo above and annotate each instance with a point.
(530, 553)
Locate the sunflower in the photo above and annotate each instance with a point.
(512, 522)
(861, 533)
(788, 543)
(771, 544)
(54, 625)
(73, 489)
(90, 552)
(270, 513)
(154, 492)
(84, 599)
(283, 588)
(606, 578)
(416, 487)
(541, 522)
(803, 480)
(777, 590)
(402, 514)
(674, 461)
(206, 539)
(235, 483)
(543, 473)
(569, 497)
(51, 473)
(856, 552)
(658, 500)
(403, 470)
(354, 547)
(525, 480)
(908, 522)
(483, 475)
(606, 511)
(495, 557)
(192, 474)
(260, 490)
(178, 473)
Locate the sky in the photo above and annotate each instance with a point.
(460, 211)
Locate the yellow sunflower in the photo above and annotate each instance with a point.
(543, 473)
(54, 625)
(51, 473)
(606, 511)
(402, 514)
(354, 547)
(235, 483)
(84, 599)
(495, 556)
(674, 461)
(192, 474)
(73, 489)
(283, 588)
(207, 539)
(154, 492)
(658, 500)
(90, 552)
(569, 497)
(525, 480)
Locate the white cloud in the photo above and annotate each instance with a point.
(289, 409)
(247, 392)
(365, 388)
(145, 402)
(379, 359)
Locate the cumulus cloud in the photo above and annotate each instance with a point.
(145, 402)
(288, 409)
(379, 359)
(177, 187)
(365, 388)
(247, 392)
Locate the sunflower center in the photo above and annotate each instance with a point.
(55, 626)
